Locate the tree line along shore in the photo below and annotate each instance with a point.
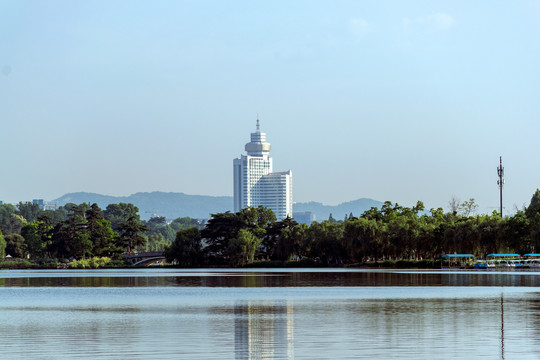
(84, 235)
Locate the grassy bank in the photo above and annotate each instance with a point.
(107, 263)
(91, 263)
(27, 264)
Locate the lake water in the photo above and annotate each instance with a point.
(269, 314)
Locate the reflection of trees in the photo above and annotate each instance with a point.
(263, 330)
(533, 310)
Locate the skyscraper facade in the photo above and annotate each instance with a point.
(254, 182)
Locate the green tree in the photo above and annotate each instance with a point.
(186, 248)
(534, 205)
(289, 240)
(527, 226)
(16, 246)
(32, 239)
(453, 205)
(2, 247)
(10, 221)
(15, 224)
(120, 213)
(282, 239)
(491, 231)
(158, 226)
(154, 242)
(403, 233)
(372, 214)
(325, 241)
(37, 236)
(185, 222)
(156, 221)
(28, 210)
(132, 233)
(70, 238)
(56, 216)
(241, 249)
(221, 227)
(101, 234)
(429, 236)
(468, 208)
(518, 233)
(362, 239)
(257, 220)
(465, 236)
(80, 210)
(534, 234)
(166, 232)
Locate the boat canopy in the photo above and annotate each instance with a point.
(532, 255)
(503, 255)
(457, 255)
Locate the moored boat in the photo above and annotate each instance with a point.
(483, 264)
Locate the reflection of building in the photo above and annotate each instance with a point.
(254, 182)
(264, 331)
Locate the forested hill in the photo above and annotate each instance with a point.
(174, 205)
(322, 212)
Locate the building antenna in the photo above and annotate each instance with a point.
(500, 182)
(258, 125)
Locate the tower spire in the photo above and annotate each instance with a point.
(258, 124)
(500, 182)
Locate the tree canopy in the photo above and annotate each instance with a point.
(391, 232)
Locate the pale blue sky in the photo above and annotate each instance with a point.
(391, 100)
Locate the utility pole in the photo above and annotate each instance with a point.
(500, 182)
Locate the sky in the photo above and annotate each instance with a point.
(390, 100)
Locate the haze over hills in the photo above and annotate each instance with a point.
(173, 205)
(322, 212)
(167, 204)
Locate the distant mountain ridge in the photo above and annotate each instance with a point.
(168, 204)
(173, 205)
(322, 212)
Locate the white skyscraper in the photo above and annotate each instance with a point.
(254, 182)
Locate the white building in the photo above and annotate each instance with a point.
(254, 182)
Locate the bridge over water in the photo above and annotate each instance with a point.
(143, 258)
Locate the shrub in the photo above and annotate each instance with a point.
(92, 263)
(17, 264)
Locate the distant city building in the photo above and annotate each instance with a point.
(304, 217)
(39, 202)
(50, 206)
(254, 182)
(1, 202)
(45, 205)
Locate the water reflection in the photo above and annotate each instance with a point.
(502, 326)
(264, 278)
(185, 314)
(263, 330)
